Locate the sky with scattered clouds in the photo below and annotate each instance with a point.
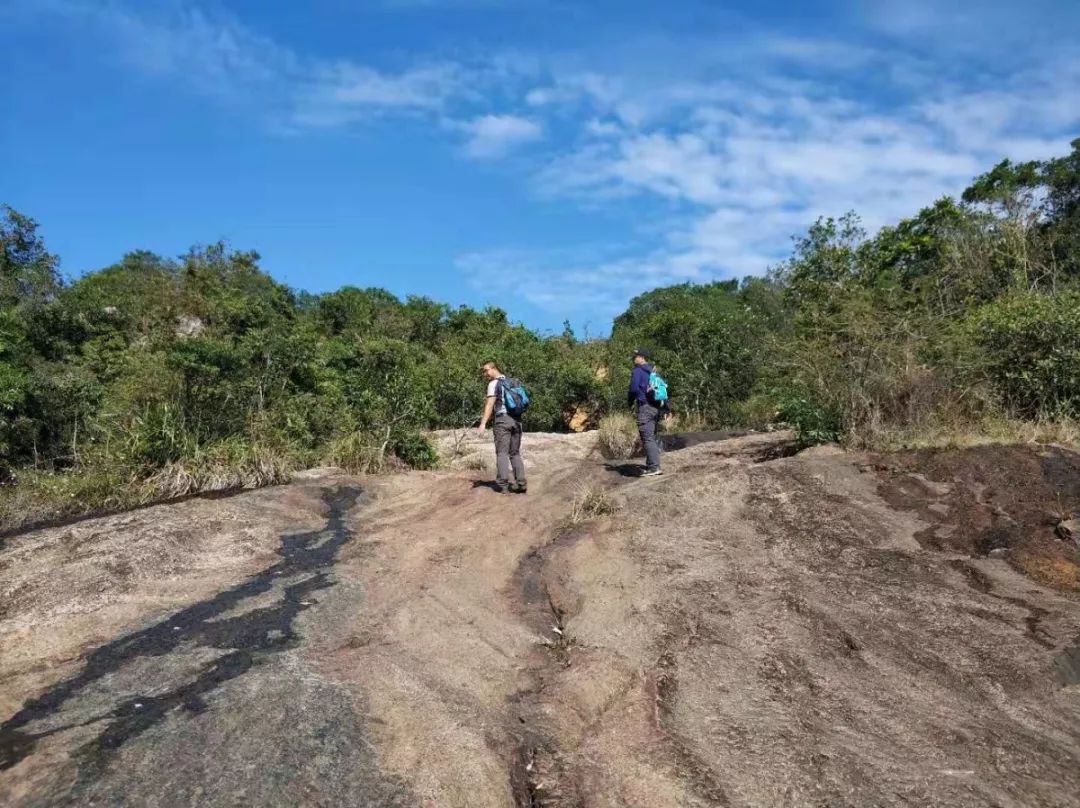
(552, 158)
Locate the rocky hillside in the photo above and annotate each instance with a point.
(754, 628)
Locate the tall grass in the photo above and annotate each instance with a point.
(993, 428)
(358, 453)
(228, 466)
(617, 437)
(40, 497)
(104, 486)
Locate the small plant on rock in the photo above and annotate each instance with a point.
(591, 502)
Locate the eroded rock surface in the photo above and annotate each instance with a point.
(754, 628)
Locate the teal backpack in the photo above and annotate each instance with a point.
(657, 388)
(515, 397)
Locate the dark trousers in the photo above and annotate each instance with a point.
(648, 419)
(507, 431)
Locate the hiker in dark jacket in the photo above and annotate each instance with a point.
(647, 411)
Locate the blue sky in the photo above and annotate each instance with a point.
(553, 158)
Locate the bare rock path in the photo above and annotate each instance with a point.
(752, 629)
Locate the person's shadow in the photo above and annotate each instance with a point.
(626, 469)
(494, 486)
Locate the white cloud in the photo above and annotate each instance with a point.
(603, 129)
(421, 87)
(343, 93)
(682, 166)
(965, 24)
(588, 281)
(744, 163)
(495, 135)
(215, 54)
(821, 53)
(740, 140)
(575, 89)
(1031, 105)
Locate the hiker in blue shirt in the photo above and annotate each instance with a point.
(648, 410)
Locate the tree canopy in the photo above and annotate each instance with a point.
(965, 309)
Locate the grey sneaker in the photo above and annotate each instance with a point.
(651, 473)
(516, 488)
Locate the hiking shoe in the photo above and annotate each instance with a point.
(651, 473)
(519, 489)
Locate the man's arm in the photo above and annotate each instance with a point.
(489, 408)
(638, 384)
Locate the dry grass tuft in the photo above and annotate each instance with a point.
(685, 422)
(474, 462)
(357, 454)
(172, 480)
(991, 430)
(1057, 573)
(591, 503)
(617, 437)
(226, 467)
(42, 497)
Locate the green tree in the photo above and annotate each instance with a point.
(28, 272)
(708, 341)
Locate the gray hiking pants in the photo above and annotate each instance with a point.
(648, 418)
(507, 431)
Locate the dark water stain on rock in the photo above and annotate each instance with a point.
(980, 582)
(1061, 471)
(1068, 663)
(991, 500)
(248, 638)
(674, 441)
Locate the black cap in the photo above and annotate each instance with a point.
(642, 353)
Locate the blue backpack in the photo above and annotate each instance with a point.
(515, 397)
(657, 388)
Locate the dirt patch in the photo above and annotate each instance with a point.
(993, 500)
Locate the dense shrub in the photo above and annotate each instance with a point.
(813, 421)
(416, 451)
(1031, 351)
